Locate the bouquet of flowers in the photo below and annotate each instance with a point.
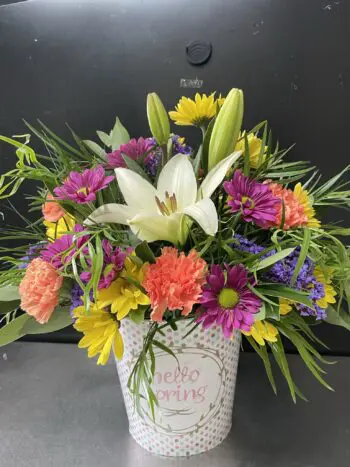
(149, 230)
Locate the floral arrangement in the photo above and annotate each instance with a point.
(150, 229)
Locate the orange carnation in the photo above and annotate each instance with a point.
(294, 213)
(39, 290)
(52, 211)
(174, 282)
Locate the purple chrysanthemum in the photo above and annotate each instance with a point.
(282, 272)
(82, 187)
(113, 262)
(135, 149)
(60, 252)
(252, 199)
(227, 300)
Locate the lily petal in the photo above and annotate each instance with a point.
(152, 228)
(204, 213)
(216, 175)
(178, 177)
(113, 213)
(136, 190)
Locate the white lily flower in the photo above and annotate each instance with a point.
(160, 213)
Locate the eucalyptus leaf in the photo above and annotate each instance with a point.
(60, 319)
(8, 293)
(7, 306)
(14, 330)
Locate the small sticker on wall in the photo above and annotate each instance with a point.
(191, 83)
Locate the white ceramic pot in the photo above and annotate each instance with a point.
(195, 398)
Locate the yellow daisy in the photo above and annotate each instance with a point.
(325, 277)
(196, 112)
(124, 295)
(286, 306)
(101, 333)
(55, 230)
(304, 199)
(262, 331)
(254, 144)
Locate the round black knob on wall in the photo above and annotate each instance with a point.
(198, 52)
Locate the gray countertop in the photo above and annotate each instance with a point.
(58, 409)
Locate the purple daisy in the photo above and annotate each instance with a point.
(252, 199)
(82, 187)
(135, 149)
(60, 252)
(227, 300)
(113, 262)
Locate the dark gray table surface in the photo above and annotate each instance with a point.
(58, 409)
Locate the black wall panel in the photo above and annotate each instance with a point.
(84, 62)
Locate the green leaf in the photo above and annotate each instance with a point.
(269, 260)
(336, 318)
(8, 293)
(95, 148)
(135, 167)
(280, 357)
(14, 330)
(7, 306)
(262, 352)
(119, 135)
(104, 137)
(197, 160)
(205, 146)
(138, 316)
(302, 255)
(272, 312)
(261, 314)
(163, 347)
(286, 292)
(60, 319)
(246, 156)
(144, 252)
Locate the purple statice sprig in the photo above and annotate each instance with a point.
(32, 252)
(113, 262)
(282, 272)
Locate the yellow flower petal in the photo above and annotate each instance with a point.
(118, 345)
(196, 112)
(55, 230)
(304, 199)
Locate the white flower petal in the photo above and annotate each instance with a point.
(216, 175)
(178, 177)
(113, 213)
(152, 228)
(204, 213)
(136, 190)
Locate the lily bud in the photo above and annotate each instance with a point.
(226, 128)
(158, 119)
